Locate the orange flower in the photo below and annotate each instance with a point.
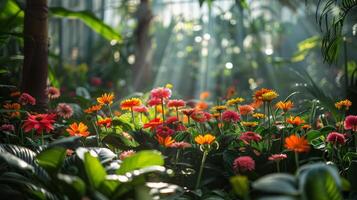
(216, 115)
(258, 95)
(205, 139)
(204, 95)
(78, 129)
(346, 104)
(201, 105)
(306, 126)
(106, 99)
(92, 109)
(297, 144)
(107, 122)
(296, 121)
(285, 106)
(231, 91)
(245, 109)
(13, 106)
(15, 94)
(128, 104)
(165, 141)
(250, 124)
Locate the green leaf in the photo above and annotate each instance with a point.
(313, 134)
(277, 183)
(51, 159)
(140, 160)
(240, 185)
(74, 186)
(90, 20)
(15, 162)
(95, 171)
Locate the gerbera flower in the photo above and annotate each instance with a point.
(201, 105)
(152, 124)
(235, 101)
(243, 164)
(219, 108)
(128, 104)
(126, 154)
(13, 106)
(176, 103)
(161, 93)
(245, 109)
(250, 124)
(201, 116)
(269, 96)
(154, 102)
(250, 136)
(230, 116)
(344, 104)
(39, 122)
(204, 95)
(106, 99)
(7, 128)
(297, 144)
(25, 99)
(306, 126)
(205, 139)
(284, 106)
(181, 145)
(140, 109)
(53, 93)
(188, 111)
(92, 109)
(169, 85)
(351, 122)
(296, 121)
(171, 120)
(336, 138)
(64, 110)
(164, 131)
(107, 122)
(258, 115)
(258, 95)
(165, 141)
(78, 129)
(277, 157)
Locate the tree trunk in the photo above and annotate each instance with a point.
(142, 65)
(35, 67)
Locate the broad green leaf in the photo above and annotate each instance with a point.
(140, 160)
(277, 183)
(240, 185)
(95, 171)
(73, 185)
(15, 162)
(313, 134)
(51, 159)
(90, 20)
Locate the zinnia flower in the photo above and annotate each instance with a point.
(201, 105)
(296, 121)
(351, 122)
(25, 99)
(106, 99)
(53, 93)
(78, 129)
(64, 110)
(250, 136)
(171, 120)
(107, 122)
(336, 138)
(269, 96)
(284, 106)
(243, 164)
(165, 141)
(250, 124)
(154, 102)
(126, 154)
(344, 104)
(164, 131)
(176, 103)
(93, 109)
(258, 95)
(181, 145)
(297, 144)
(200, 116)
(230, 116)
(140, 109)
(277, 157)
(152, 124)
(258, 115)
(161, 93)
(204, 95)
(188, 111)
(205, 139)
(7, 128)
(128, 104)
(39, 122)
(219, 108)
(235, 101)
(245, 109)
(13, 106)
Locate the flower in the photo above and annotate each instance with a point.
(164, 131)
(140, 109)
(165, 141)
(296, 121)
(219, 108)
(269, 96)
(128, 104)
(126, 154)
(204, 95)
(250, 136)
(216, 115)
(94, 108)
(230, 116)
(284, 106)
(181, 127)
(306, 126)
(7, 128)
(152, 124)
(258, 115)
(250, 124)
(200, 116)
(154, 102)
(244, 163)
(245, 109)
(161, 93)
(171, 120)
(336, 138)
(351, 122)
(188, 111)
(169, 85)
(78, 129)
(258, 95)
(107, 122)
(25, 99)
(106, 99)
(39, 122)
(297, 144)
(181, 145)
(176, 103)
(95, 81)
(205, 139)
(346, 104)
(234, 101)
(13, 106)
(53, 93)
(15, 94)
(64, 110)
(277, 157)
(201, 105)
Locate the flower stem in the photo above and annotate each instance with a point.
(277, 167)
(177, 114)
(132, 116)
(42, 139)
(110, 111)
(163, 110)
(97, 133)
(297, 160)
(201, 169)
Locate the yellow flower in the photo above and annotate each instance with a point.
(250, 124)
(346, 104)
(269, 96)
(285, 106)
(169, 85)
(106, 99)
(130, 103)
(219, 108)
(235, 101)
(205, 139)
(258, 115)
(216, 115)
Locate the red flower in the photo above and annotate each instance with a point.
(39, 122)
(181, 127)
(64, 110)
(25, 99)
(164, 131)
(351, 122)
(176, 103)
(230, 116)
(250, 136)
(188, 111)
(7, 128)
(95, 81)
(277, 157)
(161, 93)
(181, 145)
(107, 122)
(154, 102)
(153, 124)
(244, 163)
(200, 116)
(171, 120)
(336, 138)
(140, 109)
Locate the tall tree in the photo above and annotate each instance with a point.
(35, 66)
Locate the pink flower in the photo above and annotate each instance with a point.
(164, 131)
(230, 116)
(154, 102)
(244, 163)
(161, 93)
(171, 120)
(95, 81)
(181, 145)
(53, 93)
(351, 122)
(250, 136)
(140, 109)
(25, 99)
(277, 157)
(39, 122)
(188, 111)
(336, 138)
(64, 110)
(200, 116)
(181, 127)
(126, 154)
(176, 103)
(7, 128)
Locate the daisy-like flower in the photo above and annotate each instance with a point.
(181, 145)
(152, 124)
(284, 106)
(245, 109)
(219, 108)
(230, 116)
(235, 101)
(64, 110)
(128, 104)
(258, 115)
(93, 109)
(106, 122)
(161, 93)
(25, 99)
(15, 94)
(243, 164)
(296, 121)
(277, 157)
(7, 128)
(351, 123)
(39, 123)
(78, 129)
(188, 111)
(53, 93)
(176, 103)
(250, 124)
(165, 141)
(154, 102)
(216, 115)
(204, 95)
(306, 126)
(297, 144)
(106, 99)
(201, 105)
(250, 136)
(140, 109)
(164, 131)
(200, 116)
(344, 104)
(269, 96)
(336, 138)
(205, 139)
(171, 120)
(13, 106)
(258, 95)
(126, 154)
